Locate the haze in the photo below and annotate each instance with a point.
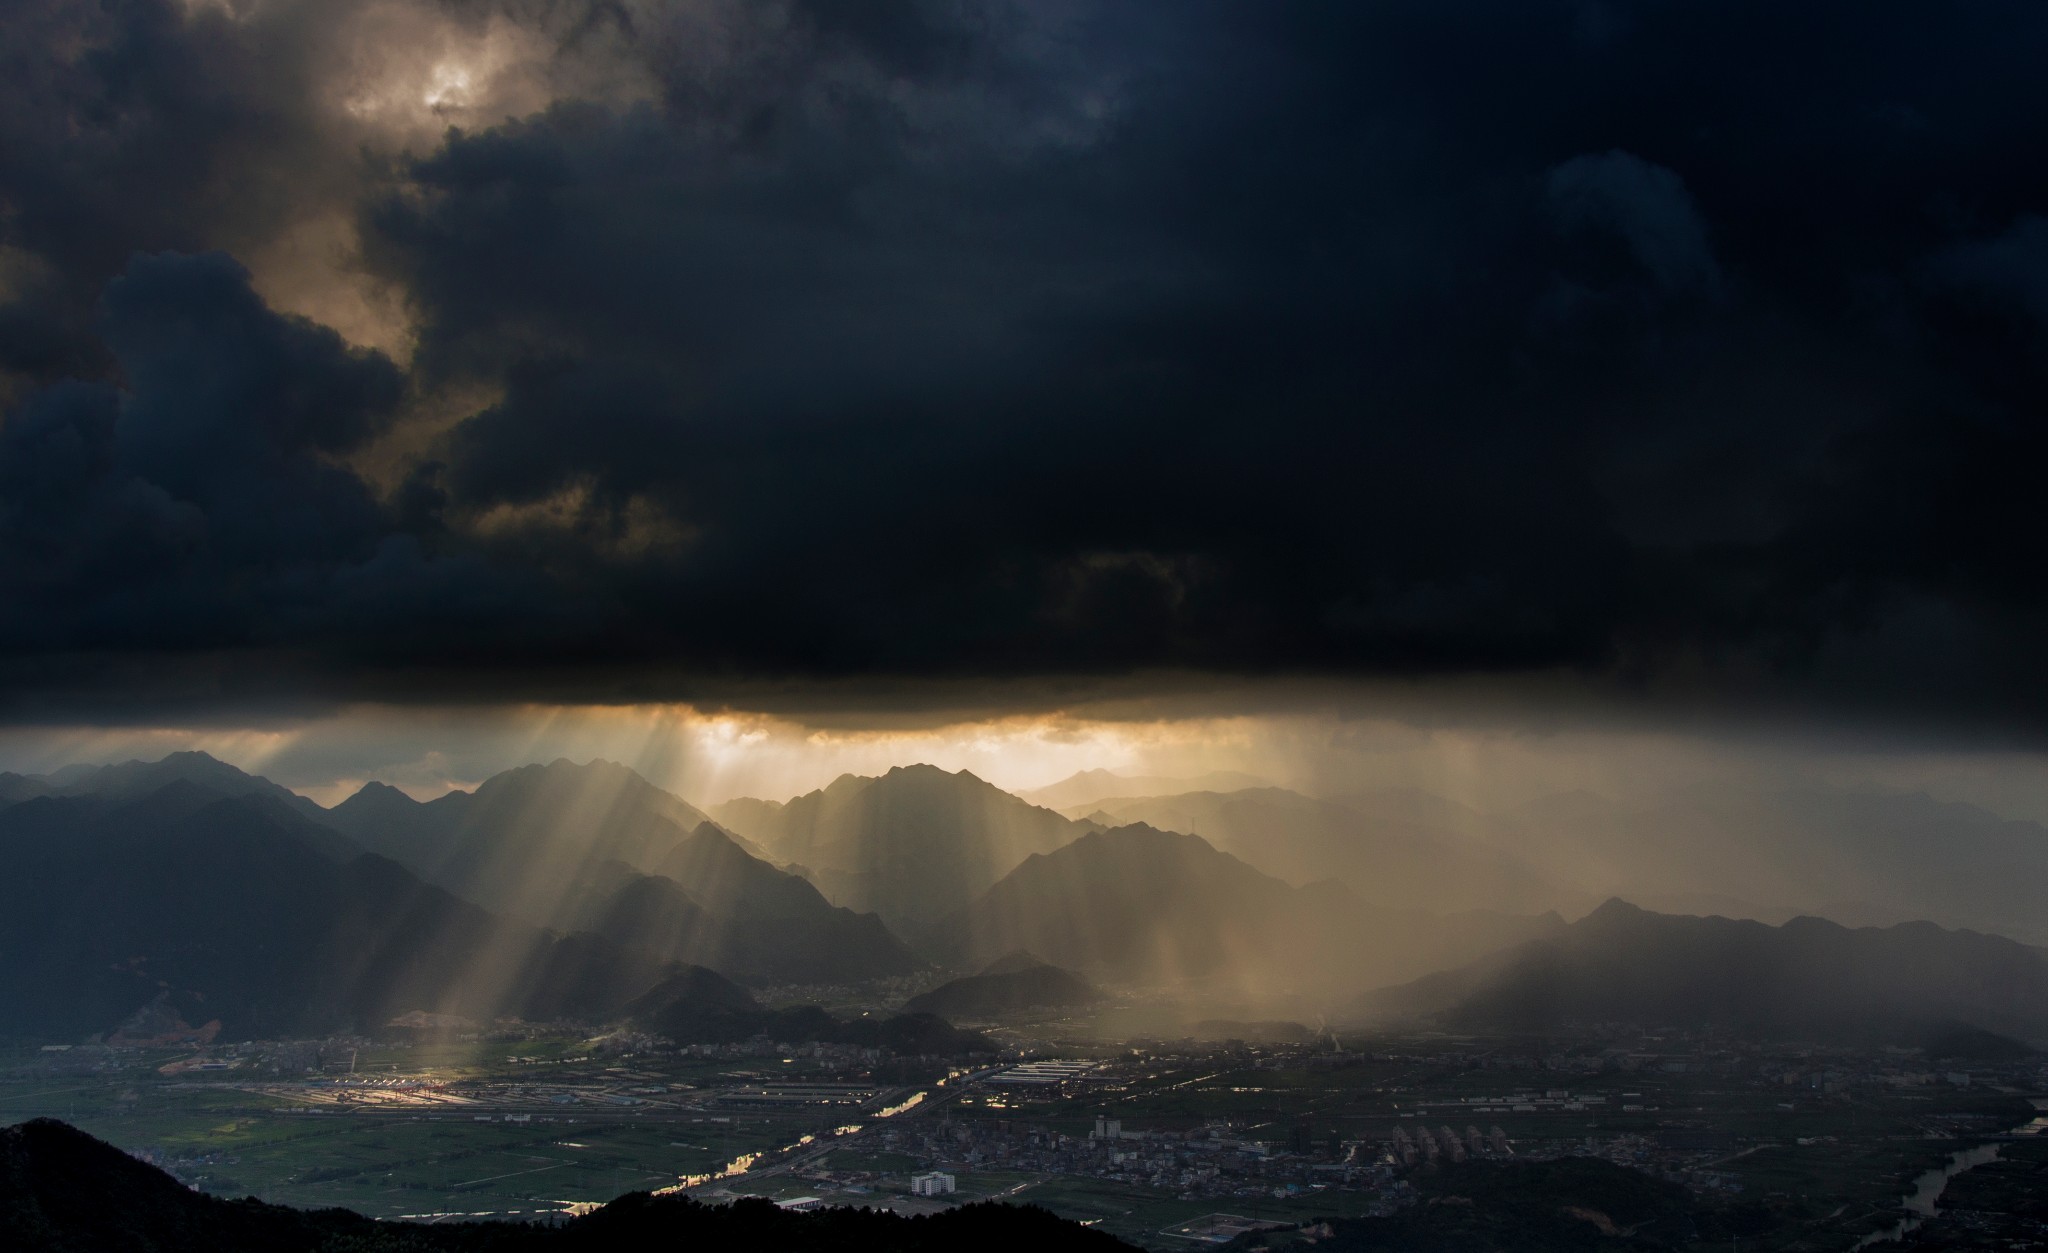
(1147, 607)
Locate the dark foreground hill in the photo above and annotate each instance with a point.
(1003, 991)
(63, 1191)
(1564, 1206)
(1808, 977)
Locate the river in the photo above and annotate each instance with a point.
(1925, 1199)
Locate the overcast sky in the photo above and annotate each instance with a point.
(1657, 368)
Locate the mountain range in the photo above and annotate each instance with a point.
(1857, 856)
(212, 898)
(596, 847)
(1809, 976)
(912, 845)
(1137, 904)
(1089, 788)
(201, 907)
(1301, 839)
(170, 893)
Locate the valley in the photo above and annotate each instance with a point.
(520, 1004)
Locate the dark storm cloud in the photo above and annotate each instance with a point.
(125, 127)
(1698, 349)
(197, 506)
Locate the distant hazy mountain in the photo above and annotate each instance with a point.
(535, 842)
(911, 845)
(238, 909)
(1621, 963)
(713, 905)
(1089, 787)
(1006, 990)
(1139, 904)
(746, 813)
(133, 779)
(21, 787)
(1853, 856)
(1386, 859)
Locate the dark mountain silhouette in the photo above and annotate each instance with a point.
(188, 907)
(15, 788)
(1139, 904)
(387, 818)
(234, 908)
(1950, 1041)
(564, 847)
(1040, 986)
(133, 779)
(1389, 861)
(1012, 962)
(1810, 976)
(697, 1005)
(63, 1191)
(911, 845)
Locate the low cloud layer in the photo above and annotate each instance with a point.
(411, 350)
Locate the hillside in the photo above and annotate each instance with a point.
(131, 780)
(195, 907)
(61, 1189)
(993, 992)
(526, 841)
(699, 1006)
(912, 845)
(1142, 905)
(773, 934)
(1621, 963)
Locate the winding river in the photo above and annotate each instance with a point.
(1925, 1199)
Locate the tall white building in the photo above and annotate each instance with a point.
(932, 1183)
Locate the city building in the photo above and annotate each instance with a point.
(932, 1183)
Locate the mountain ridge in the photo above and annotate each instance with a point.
(911, 844)
(1624, 963)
